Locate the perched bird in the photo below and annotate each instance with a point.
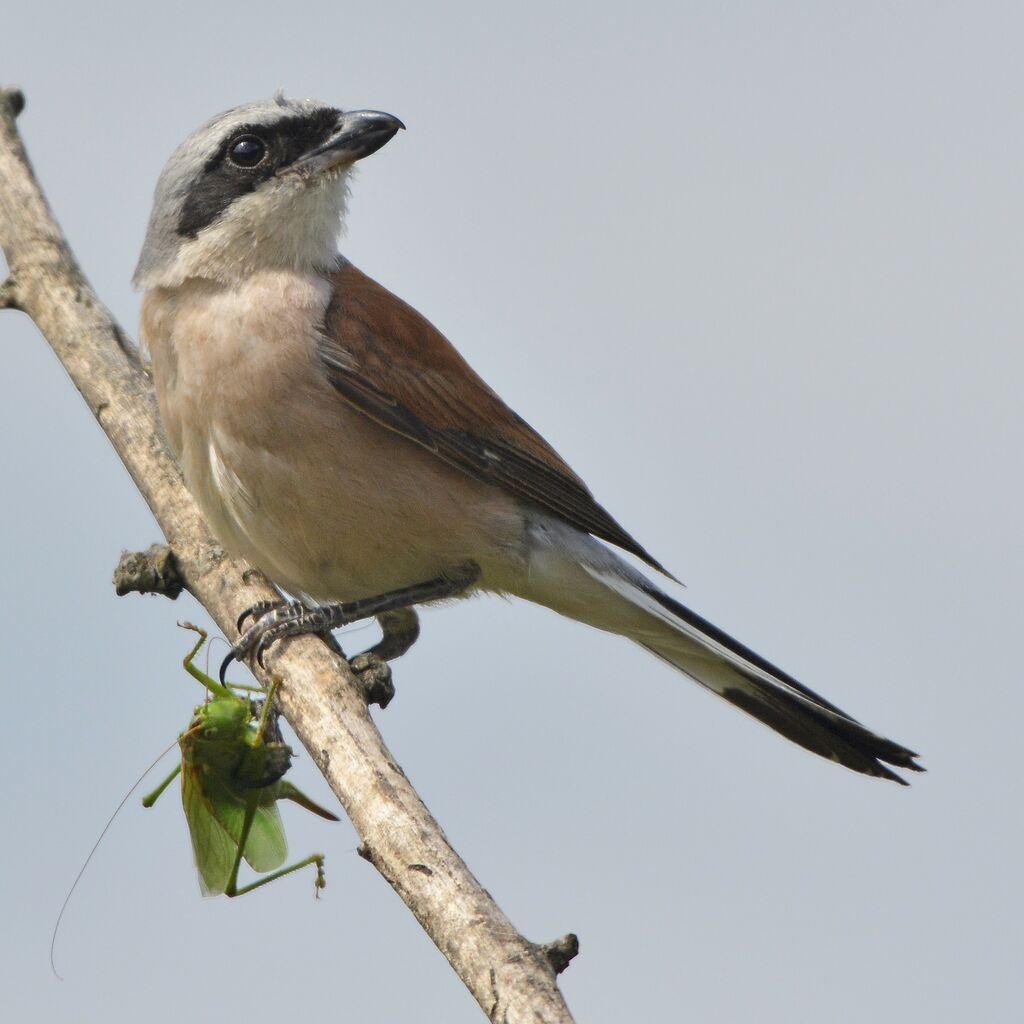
(333, 437)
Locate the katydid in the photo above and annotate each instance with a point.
(232, 766)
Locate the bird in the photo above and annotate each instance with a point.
(333, 437)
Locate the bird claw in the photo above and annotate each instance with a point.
(275, 620)
(272, 620)
(374, 678)
(257, 611)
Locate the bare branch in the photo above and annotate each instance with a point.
(511, 978)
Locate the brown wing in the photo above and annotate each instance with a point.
(396, 367)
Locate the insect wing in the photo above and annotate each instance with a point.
(212, 846)
(266, 848)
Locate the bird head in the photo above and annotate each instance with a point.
(259, 187)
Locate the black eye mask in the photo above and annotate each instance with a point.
(227, 177)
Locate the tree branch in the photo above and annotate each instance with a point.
(511, 978)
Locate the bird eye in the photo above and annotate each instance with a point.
(247, 151)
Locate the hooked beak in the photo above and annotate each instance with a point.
(358, 133)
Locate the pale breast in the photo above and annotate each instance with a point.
(326, 501)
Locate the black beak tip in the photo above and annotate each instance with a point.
(378, 124)
(374, 134)
(357, 134)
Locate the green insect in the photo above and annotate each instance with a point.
(232, 766)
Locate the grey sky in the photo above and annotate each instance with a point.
(754, 271)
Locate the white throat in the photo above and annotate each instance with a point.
(290, 224)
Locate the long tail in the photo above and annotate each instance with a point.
(579, 577)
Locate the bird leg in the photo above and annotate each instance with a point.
(399, 629)
(276, 620)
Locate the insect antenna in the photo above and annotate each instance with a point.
(95, 847)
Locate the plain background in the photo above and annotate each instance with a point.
(755, 271)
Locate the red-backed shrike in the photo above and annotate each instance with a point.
(333, 437)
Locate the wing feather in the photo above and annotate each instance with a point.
(397, 368)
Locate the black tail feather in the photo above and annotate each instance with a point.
(838, 738)
(789, 707)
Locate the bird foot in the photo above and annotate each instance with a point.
(374, 675)
(275, 620)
